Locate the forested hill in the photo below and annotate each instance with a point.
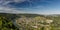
(6, 21)
(7, 18)
(12, 16)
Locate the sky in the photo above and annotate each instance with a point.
(30, 6)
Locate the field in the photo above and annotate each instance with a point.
(29, 22)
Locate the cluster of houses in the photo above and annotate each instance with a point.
(37, 24)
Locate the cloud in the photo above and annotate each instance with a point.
(5, 2)
(4, 7)
(14, 10)
(10, 10)
(16, 6)
(19, 1)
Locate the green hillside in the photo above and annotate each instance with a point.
(6, 22)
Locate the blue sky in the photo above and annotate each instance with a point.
(30, 6)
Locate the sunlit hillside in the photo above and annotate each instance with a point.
(29, 22)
